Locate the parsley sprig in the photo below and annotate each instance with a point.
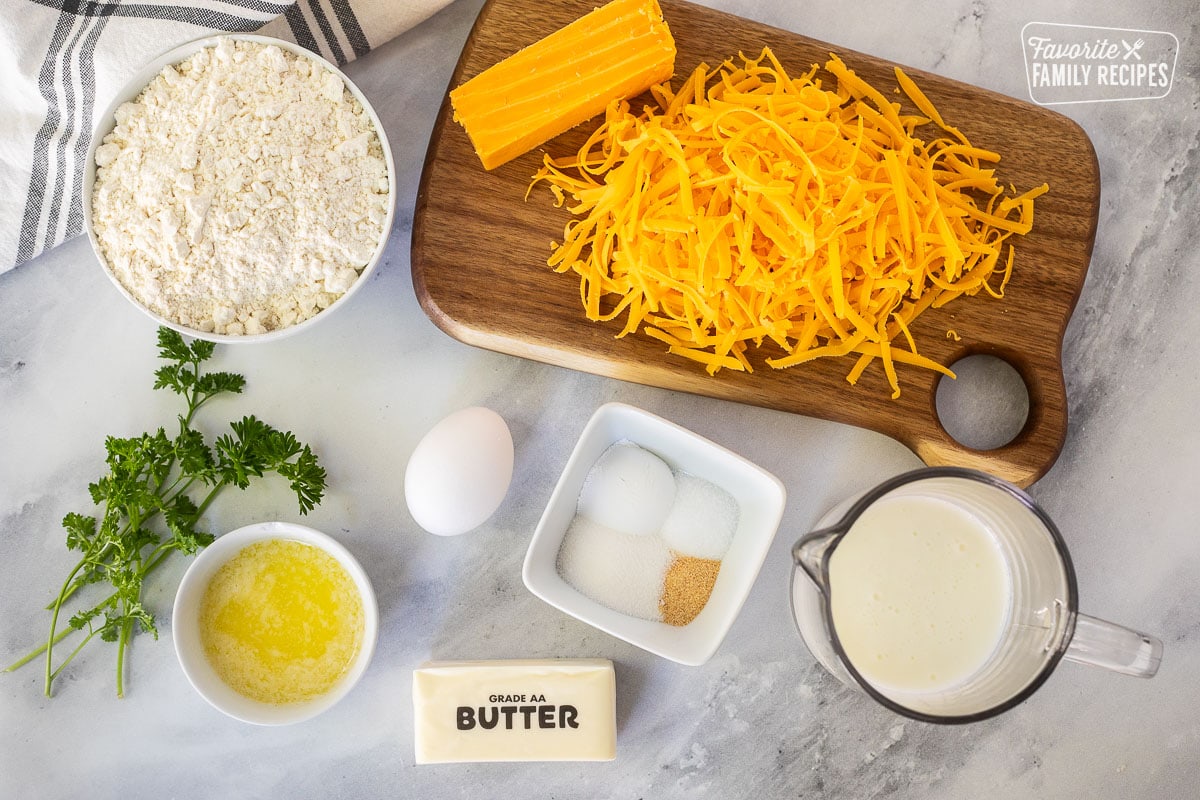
(149, 508)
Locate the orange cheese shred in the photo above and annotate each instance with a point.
(755, 209)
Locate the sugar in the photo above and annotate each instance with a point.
(624, 572)
(702, 520)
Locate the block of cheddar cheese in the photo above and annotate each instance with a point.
(557, 709)
(615, 52)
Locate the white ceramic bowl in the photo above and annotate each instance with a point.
(760, 497)
(185, 625)
(107, 121)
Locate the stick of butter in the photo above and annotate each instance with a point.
(555, 709)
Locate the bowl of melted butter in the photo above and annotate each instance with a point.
(274, 623)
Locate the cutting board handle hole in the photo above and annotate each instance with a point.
(986, 406)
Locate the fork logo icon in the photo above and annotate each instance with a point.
(1132, 49)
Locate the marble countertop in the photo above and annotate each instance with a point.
(762, 718)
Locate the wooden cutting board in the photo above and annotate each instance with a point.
(479, 252)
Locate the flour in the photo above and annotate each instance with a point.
(242, 191)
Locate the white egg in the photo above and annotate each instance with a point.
(459, 472)
(628, 489)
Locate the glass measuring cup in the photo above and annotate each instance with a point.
(1038, 622)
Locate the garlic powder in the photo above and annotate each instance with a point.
(242, 191)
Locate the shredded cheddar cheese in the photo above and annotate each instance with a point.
(752, 207)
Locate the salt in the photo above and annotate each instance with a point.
(702, 520)
(622, 571)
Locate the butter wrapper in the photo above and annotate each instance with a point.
(517, 710)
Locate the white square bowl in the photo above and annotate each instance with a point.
(760, 498)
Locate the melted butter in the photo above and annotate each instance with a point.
(281, 622)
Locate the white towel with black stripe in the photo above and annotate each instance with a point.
(61, 62)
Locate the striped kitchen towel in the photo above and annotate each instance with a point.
(62, 61)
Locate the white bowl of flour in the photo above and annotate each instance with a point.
(239, 188)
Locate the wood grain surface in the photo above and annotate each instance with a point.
(479, 252)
